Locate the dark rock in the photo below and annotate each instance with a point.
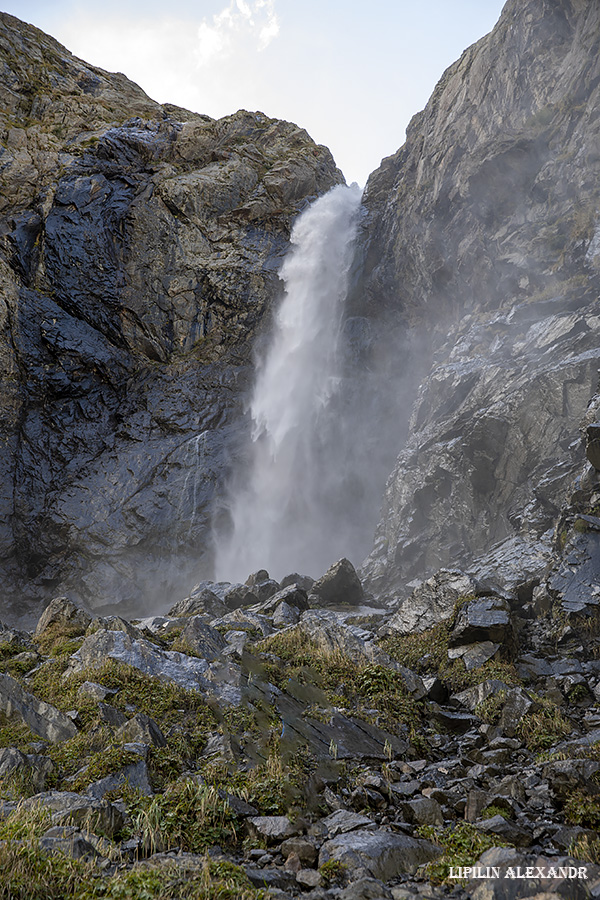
(203, 602)
(201, 639)
(69, 840)
(65, 614)
(68, 808)
(111, 716)
(141, 728)
(134, 775)
(484, 619)
(44, 720)
(506, 830)
(36, 769)
(432, 602)
(304, 848)
(383, 854)
(339, 586)
(304, 582)
(366, 889)
(342, 820)
(272, 829)
(423, 811)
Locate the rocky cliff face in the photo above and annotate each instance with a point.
(139, 253)
(483, 235)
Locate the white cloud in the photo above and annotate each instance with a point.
(239, 26)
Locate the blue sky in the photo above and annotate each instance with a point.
(351, 73)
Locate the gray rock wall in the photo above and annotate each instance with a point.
(139, 249)
(482, 238)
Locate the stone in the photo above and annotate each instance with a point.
(366, 889)
(201, 639)
(339, 586)
(304, 848)
(285, 615)
(423, 811)
(383, 854)
(238, 596)
(44, 720)
(431, 602)
(273, 829)
(64, 613)
(565, 776)
(506, 830)
(143, 729)
(304, 582)
(36, 769)
(308, 878)
(474, 655)
(69, 808)
(216, 679)
(111, 716)
(202, 602)
(342, 820)
(480, 620)
(68, 840)
(94, 690)
(472, 697)
(134, 776)
(517, 704)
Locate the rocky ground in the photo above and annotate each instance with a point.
(292, 739)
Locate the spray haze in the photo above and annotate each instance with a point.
(282, 508)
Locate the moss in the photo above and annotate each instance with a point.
(427, 654)
(462, 844)
(583, 809)
(107, 761)
(541, 729)
(190, 816)
(333, 872)
(13, 733)
(344, 682)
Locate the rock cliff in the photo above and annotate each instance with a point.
(139, 249)
(483, 240)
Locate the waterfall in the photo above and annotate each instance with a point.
(285, 513)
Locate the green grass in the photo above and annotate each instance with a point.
(462, 845)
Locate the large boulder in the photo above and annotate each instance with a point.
(384, 854)
(431, 602)
(44, 719)
(339, 586)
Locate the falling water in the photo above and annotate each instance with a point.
(284, 514)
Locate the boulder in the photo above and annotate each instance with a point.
(339, 586)
(65, 614)
(204, 602)
(272, 829)
(44, 720)
(211, 678)
(343, 820)
(383, 854)
(304, 582)
(141, 729)
(201, 639)
(483, 619)
(35, 769)
(69, 808)
(431, 602)
(68, 839)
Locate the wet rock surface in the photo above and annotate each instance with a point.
(140, 249)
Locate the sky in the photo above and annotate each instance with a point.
(351, 73)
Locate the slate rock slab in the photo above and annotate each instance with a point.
(382, 853)
(44, 720)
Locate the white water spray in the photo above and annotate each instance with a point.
(282, 515)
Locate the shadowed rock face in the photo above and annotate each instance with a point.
(139, 249)
(483, 234)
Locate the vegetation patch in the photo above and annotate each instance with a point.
(583, 809)
(426, 653)
(541, 729)
(462, 843)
